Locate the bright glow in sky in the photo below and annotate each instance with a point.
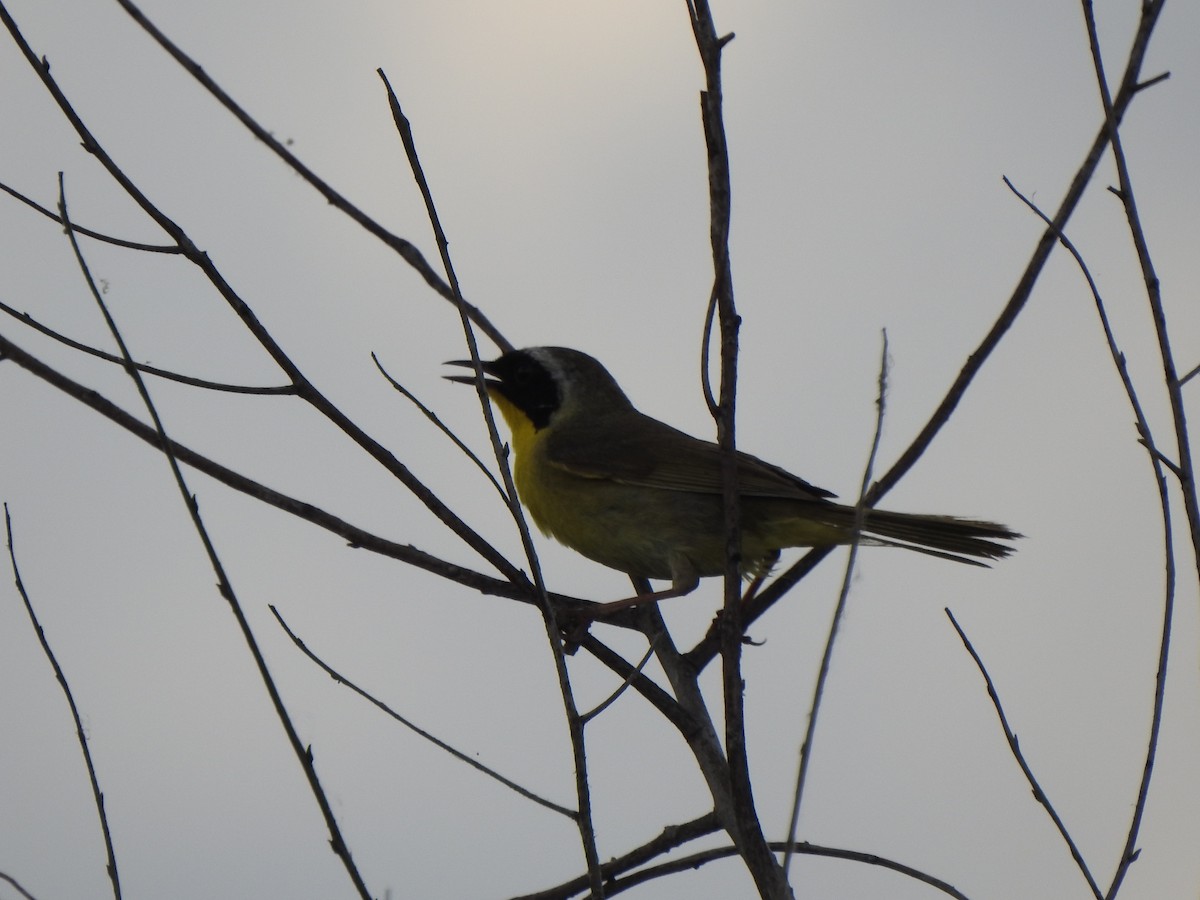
(563, 145)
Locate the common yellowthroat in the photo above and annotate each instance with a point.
(639, 496)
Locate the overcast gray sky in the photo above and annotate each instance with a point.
(563, 144)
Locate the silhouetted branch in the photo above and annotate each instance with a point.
(742, 821)
(61, 677)
(1174, 388)
(615, 883)
(420, 732)
(661, 700)
(608, 701)
(583, 819)
(1011, 737)
(1157, 462)
(843, 596)
(303, 753)
(671, 837)
(88, 232)
(17, 886)
(406, 250)
(33, 323)
(441, 426)
(1118, 357)
(1191, 373)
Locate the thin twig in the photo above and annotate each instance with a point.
(17, 886)
(860, 510)
(441, 426)
(608, 701)
(79, 229)
(587, 833)
(1174, 386)
(416, 729)
(667, 840)
(1015, 746)
(61, 677)
(669, 707)
(405, 249)
(1157, 462)
(303, 753)
(1191, 373)
(145, 368)
(689, 863)
(710, 313)
(694, 861)
(1118, 357)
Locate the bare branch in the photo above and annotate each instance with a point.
(1174, 387)
(405, 249)
(1157, 462)
(587, 833)
(741, 818)
(1013, 744)
(16, 886)
(671, 837)
(843, 597)
(88, 232)
(303, 753)
(33, 323)
(61, 677)
(441, 426)
(1118, 357)
(1192, 373)
(694, 861)
(608, 701)
(420, 732)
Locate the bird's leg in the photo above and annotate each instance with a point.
(600, 610)
(577, 623)
(684, 580)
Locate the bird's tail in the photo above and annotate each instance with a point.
(970, 541)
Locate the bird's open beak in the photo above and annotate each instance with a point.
(469, 379)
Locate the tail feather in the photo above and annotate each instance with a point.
(963, 540)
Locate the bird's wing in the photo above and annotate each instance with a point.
(653, 454)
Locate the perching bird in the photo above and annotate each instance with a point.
(639, 496)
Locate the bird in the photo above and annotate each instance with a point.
(637, 495)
